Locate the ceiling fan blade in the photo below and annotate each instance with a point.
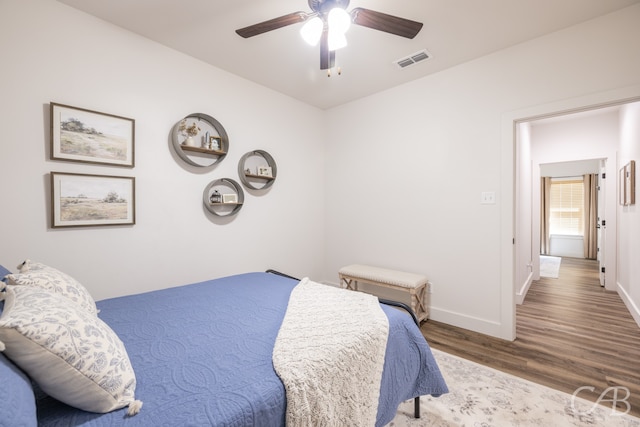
(272, 24)
(327, 57)
(387, 23)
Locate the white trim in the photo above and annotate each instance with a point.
(460, 320)
(631, 306)
(522, 293)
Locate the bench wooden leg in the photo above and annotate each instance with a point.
(418, 302)
(350, 284)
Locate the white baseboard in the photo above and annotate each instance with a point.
(476, 324)
(326, 282)
(631, 306)
(522, 293)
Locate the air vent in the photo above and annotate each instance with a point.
(414, 58)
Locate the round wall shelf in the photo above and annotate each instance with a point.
(208, 145)
(257, 170)
(223, 197)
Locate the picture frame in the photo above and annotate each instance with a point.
(630, 183)
(230, 198)
(622, 182)
(265, 171)
(87, 136)
(83, 200)
(215, 143)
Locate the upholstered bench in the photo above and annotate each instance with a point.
(414, 284)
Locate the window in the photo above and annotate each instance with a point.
(567, 207)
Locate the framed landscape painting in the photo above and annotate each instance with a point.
(80, 200)
(87, 136)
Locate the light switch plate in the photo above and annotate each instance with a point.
(488, 198)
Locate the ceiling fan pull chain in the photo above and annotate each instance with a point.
(339, 69)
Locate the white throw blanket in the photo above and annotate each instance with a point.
(329, 354)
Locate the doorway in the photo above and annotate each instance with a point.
(570, 145)
(515, 236)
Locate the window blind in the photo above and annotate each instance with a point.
(567, 207)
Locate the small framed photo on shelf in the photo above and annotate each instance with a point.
(215, 143)
(230, 198)
(265, 171)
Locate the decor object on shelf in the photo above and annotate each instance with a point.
(87, 136)
(80, 200)
(215, 197)
(215, 143)
(200, 140)
(230, 198)
(264, 175)
(265, 171)
(189, 131)
(223, 197)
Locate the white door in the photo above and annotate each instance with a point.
(602, 223)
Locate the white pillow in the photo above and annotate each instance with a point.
(45, 277)
(73, 355)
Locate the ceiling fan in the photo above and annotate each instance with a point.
(327, 23)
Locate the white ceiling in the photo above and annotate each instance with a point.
(455, 31)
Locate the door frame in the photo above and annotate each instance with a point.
(508, 170)
(602, 221)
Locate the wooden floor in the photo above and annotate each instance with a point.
(570, 333)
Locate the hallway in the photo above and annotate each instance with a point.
(570, 333)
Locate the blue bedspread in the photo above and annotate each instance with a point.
(202, 357)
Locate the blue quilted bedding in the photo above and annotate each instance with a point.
(202, 357)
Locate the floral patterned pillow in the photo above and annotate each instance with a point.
(45, 277)
(73, 355)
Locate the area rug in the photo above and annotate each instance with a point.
(549, 266)
(485, 397)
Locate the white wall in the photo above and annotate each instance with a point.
(566, 246)
(53, 53)
(411, 199)
(527, 266)
(393, 179)
(628, 284)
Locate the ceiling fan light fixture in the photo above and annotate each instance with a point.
(311, 31)
(339, 20)
(336, 40)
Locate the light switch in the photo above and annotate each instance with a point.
(488, 198)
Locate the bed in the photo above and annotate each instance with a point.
(202, 356)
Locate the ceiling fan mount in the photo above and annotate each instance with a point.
(320, 8)
(324, 6)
